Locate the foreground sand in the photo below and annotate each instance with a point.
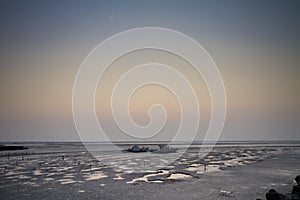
(50, 177)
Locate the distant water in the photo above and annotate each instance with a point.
(56, 147)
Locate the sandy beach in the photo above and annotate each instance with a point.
(226, 173)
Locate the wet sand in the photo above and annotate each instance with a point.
(230, 174)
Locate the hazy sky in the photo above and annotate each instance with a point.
(256, 45)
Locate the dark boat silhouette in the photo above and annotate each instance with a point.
(136, 149)
(11, 148)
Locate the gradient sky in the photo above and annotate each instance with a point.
(256, 45)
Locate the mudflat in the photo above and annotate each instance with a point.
(237, 173)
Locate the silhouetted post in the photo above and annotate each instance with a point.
(63, 157)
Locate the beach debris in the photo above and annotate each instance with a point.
(225, 193)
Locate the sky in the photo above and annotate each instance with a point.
(255, 44)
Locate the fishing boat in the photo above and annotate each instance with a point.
(137, 149)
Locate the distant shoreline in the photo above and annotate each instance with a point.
(12, 148)
(159, 142)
